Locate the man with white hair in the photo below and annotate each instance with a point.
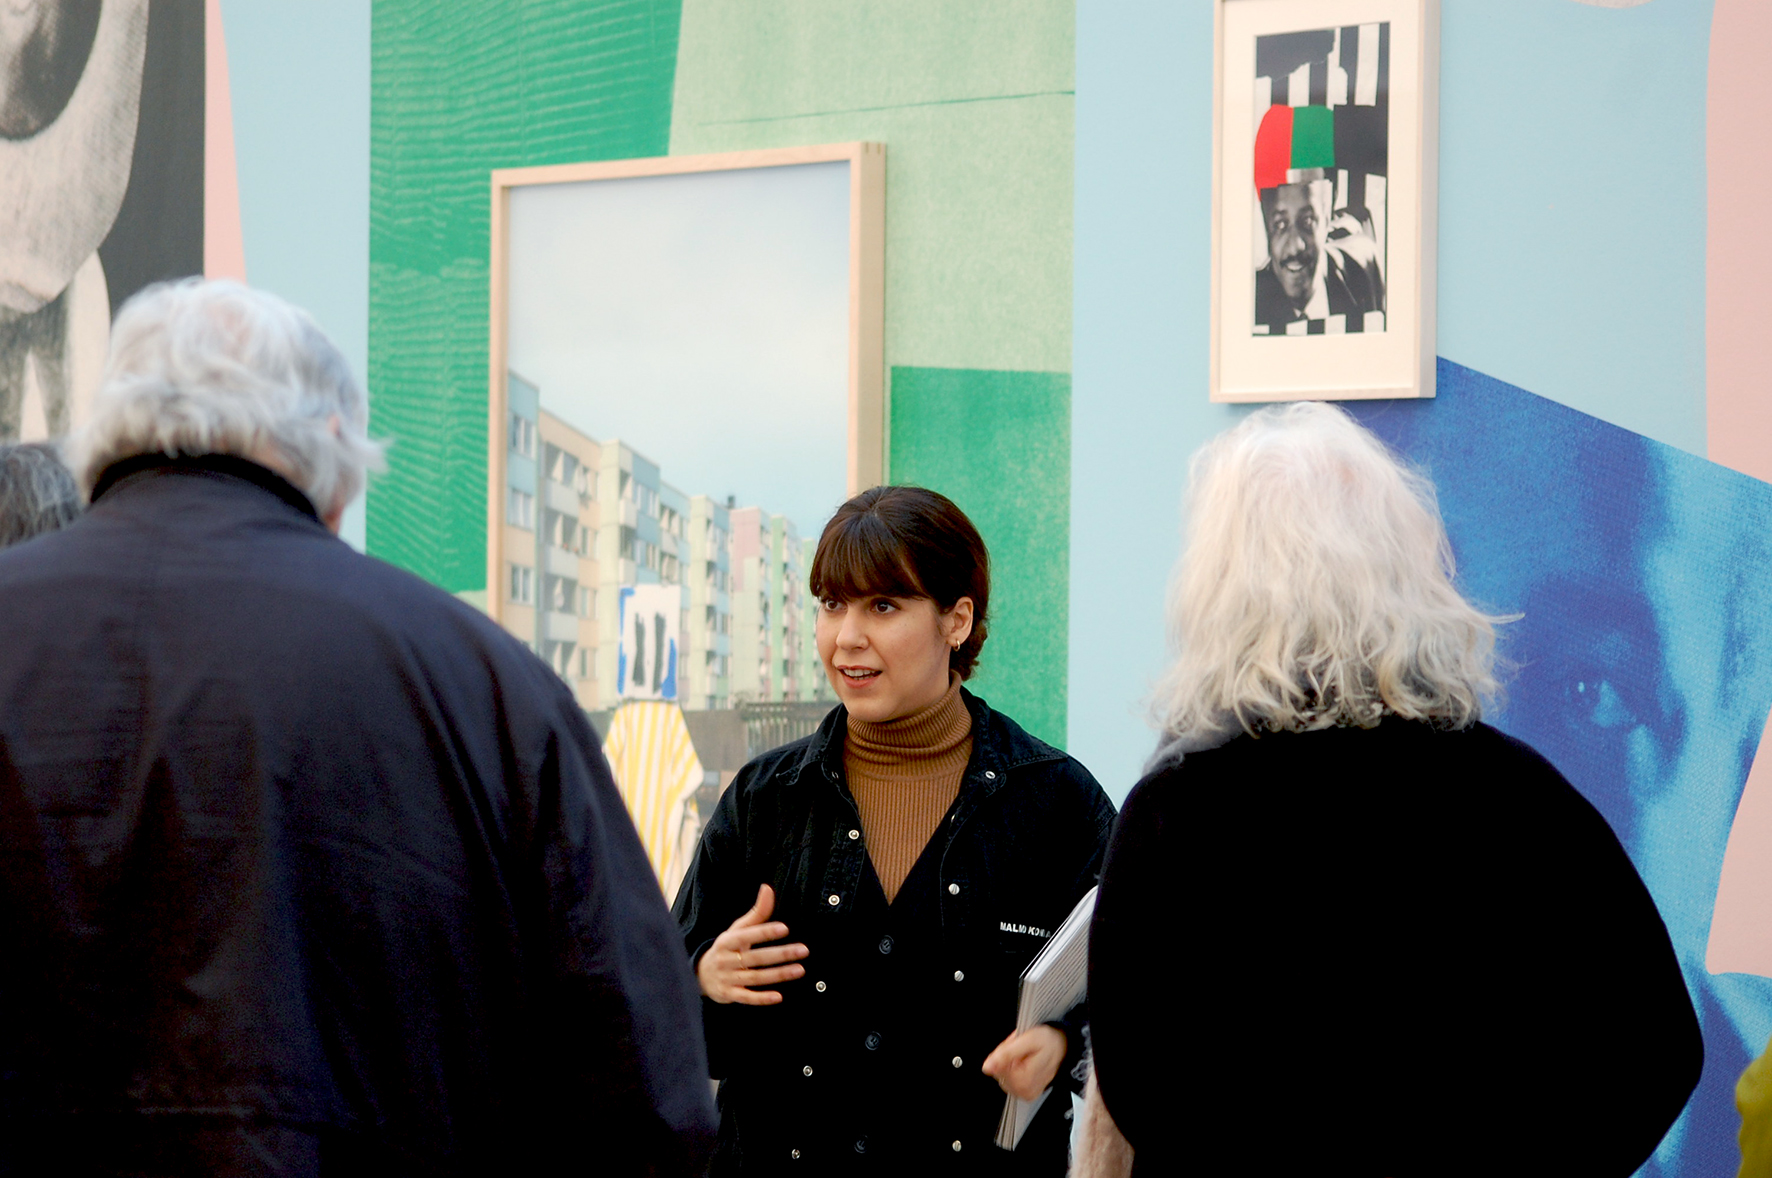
(306, 867)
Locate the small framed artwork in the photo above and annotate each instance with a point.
(1323, 199)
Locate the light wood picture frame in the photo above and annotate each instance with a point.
(1324, 201)
(615, 582)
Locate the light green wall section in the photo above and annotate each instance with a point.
(973, 101)
(999, 445)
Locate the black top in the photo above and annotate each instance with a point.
(306, 867)
(1389, 952)
(854, 1071)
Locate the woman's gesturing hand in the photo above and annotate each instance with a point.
(733, 963)
(1025, 1063)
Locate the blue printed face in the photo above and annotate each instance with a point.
(1642, 663)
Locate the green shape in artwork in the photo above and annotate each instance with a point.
(1313, 137)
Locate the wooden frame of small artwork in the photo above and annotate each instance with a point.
(1323, 201)
(866, 463)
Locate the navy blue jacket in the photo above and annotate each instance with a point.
(308, 868)
(870, 1063)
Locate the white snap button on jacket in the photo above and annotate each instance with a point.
(989, 775)
(834, 900)
(807, 1070)
(956, 1061)
(819, 986)
(795, 1154)
(953, 890)
(956, 1147)
(855, 834)
(959, 975)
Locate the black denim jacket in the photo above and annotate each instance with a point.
(870, 1063)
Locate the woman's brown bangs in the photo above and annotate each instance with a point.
(859, 557)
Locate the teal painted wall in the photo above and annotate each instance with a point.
(461, 87)
(940, 419)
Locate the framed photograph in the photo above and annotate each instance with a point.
(686, 381)
(1323, 199)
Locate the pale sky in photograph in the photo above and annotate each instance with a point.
(702, 319)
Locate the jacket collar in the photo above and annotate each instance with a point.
(145, 466)
(998, 745)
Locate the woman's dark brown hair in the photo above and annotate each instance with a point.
(907, 542)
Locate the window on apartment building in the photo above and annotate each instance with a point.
(520, 509)
(584, 663)
(624, 486)
(522, 436)
(584, 602)
(562, 594)
(522, 584)
(564, 531)
(628, 541)
(563, 467)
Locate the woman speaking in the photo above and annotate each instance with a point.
(917, 849)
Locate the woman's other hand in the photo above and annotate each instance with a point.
(733, 963)
(1026, 1062)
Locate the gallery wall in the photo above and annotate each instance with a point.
(974, 103)
(1572, 263)
(299, 81)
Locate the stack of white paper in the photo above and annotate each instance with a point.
(1052, 983)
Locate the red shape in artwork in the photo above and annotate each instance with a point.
(1273, 147)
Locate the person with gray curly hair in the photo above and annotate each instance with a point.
(308, 867)
(1344, 925)
(37, 492)
(200, 371)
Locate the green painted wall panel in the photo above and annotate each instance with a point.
(999, 445)
(460, 87)
(974, 103)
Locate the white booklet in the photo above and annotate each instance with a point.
(1053, 982)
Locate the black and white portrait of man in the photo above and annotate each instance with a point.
(101, 186)
(1322, 104)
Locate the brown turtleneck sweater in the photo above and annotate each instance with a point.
(905, 773)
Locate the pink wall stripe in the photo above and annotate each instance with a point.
(1738, 256)
(1741, 922)
(224, 246)
(1738, 407)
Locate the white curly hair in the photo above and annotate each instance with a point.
(199, 367)
(1315, 589)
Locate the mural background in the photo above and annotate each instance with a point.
(1642, 665)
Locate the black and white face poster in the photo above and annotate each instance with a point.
(101, 186)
